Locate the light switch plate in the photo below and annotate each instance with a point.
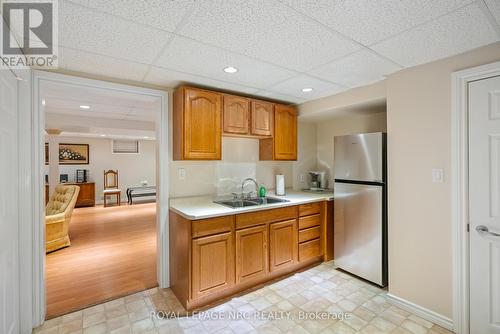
(437, 175)
(182, 173)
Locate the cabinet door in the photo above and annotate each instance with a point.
(236, 115)
(251, 253)
(212, 264)
(202, 125)
(262, 118)
(283, 245)
(285, 133)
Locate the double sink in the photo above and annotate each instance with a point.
(241, 203)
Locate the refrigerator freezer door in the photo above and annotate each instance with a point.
(358, 223)
(359, 157)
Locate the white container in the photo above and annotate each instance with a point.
(280, 184)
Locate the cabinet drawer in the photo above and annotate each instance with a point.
(309, 209)
(210, 226)
(309, 234)
(309, 221)
(309, 249)
(265, 216)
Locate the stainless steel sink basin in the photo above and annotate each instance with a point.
(240, 203)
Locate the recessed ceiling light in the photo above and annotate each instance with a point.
(103, 135)
(230, 69)
(307, 90)
(85, 107)
(43, 102)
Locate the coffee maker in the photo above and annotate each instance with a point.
(317, 180)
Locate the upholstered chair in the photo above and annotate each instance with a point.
(58, 215)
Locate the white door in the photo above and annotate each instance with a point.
(484, 202)
(9, 201)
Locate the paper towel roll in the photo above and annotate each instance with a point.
(280, 184)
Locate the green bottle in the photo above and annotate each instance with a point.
(262, 191)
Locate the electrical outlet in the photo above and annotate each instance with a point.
(182, 173)
(302, 178)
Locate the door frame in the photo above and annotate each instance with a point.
(459, 188)
(38, 185)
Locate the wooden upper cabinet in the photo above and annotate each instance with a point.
(285, 133)
(197, 124)
(283, 145)
(236, 115)
(283, 244)
(212, 264)
(262, 118)
(251, 254)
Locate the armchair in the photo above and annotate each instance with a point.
(57, 217)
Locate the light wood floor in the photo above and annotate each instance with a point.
(112, 254)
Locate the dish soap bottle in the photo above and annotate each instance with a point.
(262, 191)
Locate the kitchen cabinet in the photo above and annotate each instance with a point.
(197, 118)
(312, 230)
(251, 254)
(212, 264)
(262, 118)
(215, 258)
(236, 115)
(283, 145)
(201, 117)
(283, 244)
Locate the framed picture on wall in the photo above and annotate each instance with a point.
(73, 154)
(70, 154)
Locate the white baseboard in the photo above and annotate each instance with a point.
(422, 312)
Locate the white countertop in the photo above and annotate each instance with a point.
(200, 207)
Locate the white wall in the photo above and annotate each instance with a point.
(343, 125)
(240, 159)
(132, 168)
(420, 226)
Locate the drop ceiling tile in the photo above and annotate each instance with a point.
(266, 30)
(462, 30)
(79, 61)
(85, 29)
(360, 68)
(279, 97)
(169, 78)
(293, 87)
(161, 14)
(494, 7)
(190, 56)
(368, 21)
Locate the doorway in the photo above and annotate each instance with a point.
(476, 200)
(118, 249)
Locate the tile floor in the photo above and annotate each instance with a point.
(340, 303)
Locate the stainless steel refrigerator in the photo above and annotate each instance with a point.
(360, 214)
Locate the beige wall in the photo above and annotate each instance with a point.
(132, 168)
(240, 159)
(344, 125)
(419, 139)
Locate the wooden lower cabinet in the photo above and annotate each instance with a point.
(211, 259)
(251, 254)
(283, 244)
(213, 264)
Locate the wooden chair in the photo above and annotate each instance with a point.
(111, 186)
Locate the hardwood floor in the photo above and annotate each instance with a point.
(112, 254)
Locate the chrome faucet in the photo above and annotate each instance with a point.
(245, 181)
